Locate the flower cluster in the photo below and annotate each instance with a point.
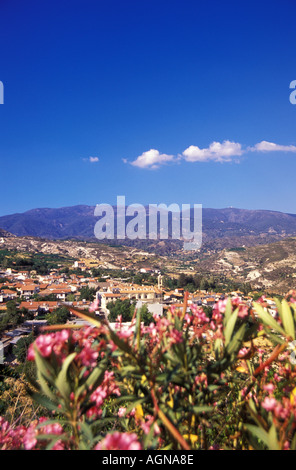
(187, 380)
(101, 393)
(119, 441)
(11, 438)
(21, 438)
(89, 343)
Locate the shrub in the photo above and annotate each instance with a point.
(183, 382)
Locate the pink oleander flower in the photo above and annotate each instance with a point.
(282, 412)
(213, 325)
(126, 333)
(119, 441)
(236, 301)
(176, 336)
(188, 318)
(148, 423)
(243, 311)
(269, 404)
(220, 306)
(121, 412)
(269, 387)
(30, 438)
(218, 317)
(286, 445)
(242, 352)
(172, 309)
(201, 379)
(199, 316)
(44, 344)
(50, 343)
(243, 392)
(94, 306)
(107, 388)
(11, 438)
(61, 343)
(88, 356)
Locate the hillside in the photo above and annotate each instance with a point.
(222, 228)
(271, 267)
(102, 255)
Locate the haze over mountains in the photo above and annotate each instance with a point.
(222, 228)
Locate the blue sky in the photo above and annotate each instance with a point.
(113, 80)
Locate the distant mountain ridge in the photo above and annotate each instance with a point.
(221, 227)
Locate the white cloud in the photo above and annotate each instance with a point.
(152, 159)
(217, 152)
(91, 159)
(227, 151)
(265, 146)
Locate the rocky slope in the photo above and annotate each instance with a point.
(271, 267)
(106, 256)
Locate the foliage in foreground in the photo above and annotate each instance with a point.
(185, 381)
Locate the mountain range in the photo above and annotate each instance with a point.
(247, 246)
(222, 228)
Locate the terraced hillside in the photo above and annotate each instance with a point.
(272, 266)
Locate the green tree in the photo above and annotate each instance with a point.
(146, 316)
(26, 314)
(58, 317)
(14, 316)
(20, 350)
(121, 307)
(70, 297)
(182, 281)
(87, 293)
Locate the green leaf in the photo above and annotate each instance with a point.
(268, 319)
(202, 409)
(230, 326)
(53, 438)
(228, 311)
(294, 310)
(87, 433)
(94, 379)
(272, 439)
(100, 423)
(137, 335)
(237, 340)
(279, 307)
(43, 366)
(62, 383)
(293, 443)
(253, 412)
(288, 321)
(44, 387)
(259, 433)
(44, 401)
(250, 367)
(44, 371)
(276, 339)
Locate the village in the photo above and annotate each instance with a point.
(35, 297)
